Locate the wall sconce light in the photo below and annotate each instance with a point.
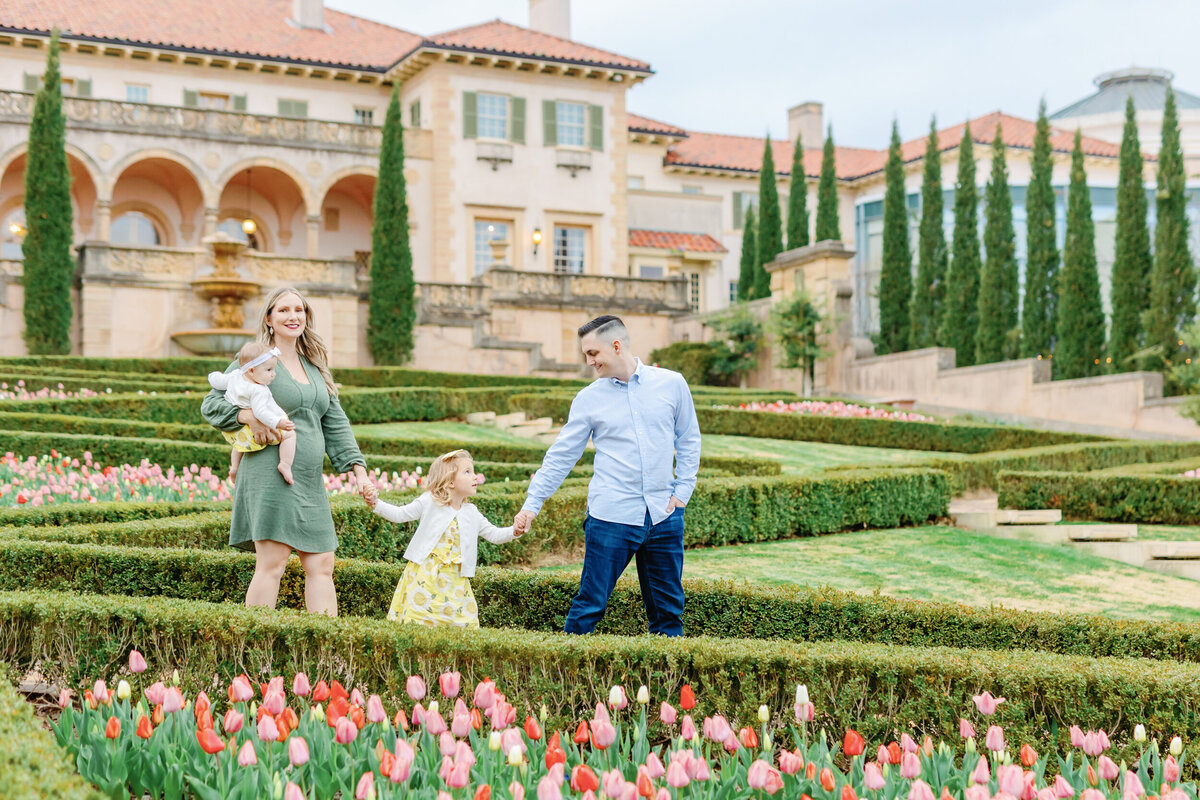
(248, 224)
(17, 229)
(537, 239)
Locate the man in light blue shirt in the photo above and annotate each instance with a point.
(642, 422)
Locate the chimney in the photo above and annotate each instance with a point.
(308, 14)
(550, 16)
(806, 120)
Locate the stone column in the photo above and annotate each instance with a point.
(211, 218)
(312, 226)
(103, 219)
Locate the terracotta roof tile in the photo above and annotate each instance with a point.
(258, 28)
(670, 240)
(498, 36)
(636, 122)
(1018, 132)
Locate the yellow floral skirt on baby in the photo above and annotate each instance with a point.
(434, 592)
(242, 439)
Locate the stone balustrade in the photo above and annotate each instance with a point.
(560, 289)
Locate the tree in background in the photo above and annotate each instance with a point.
(797, 220)
(1080, 348)
(738, 338)
(49, 269)
(748, 268)
(796, 325)
(1038, 312)
(895, 280)
(999, 335)
(769, 235)
(931, 253)
(1131, 262)
(828, 226)
(960, 310)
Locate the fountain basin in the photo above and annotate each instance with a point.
(213, 341)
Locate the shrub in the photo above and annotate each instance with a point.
(98, 426)
(36, 379)
(32, 766)
(878, 689)
(1118, 498)
(693, 360)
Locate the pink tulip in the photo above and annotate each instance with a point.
(463, 754)
(293, 792)
(994, 740)
(882, 755)
(805, 712)
(485, 695)
(418, 714)
(547, 789)
(366, 786)
(460, 726)
(460, 776)
(1107, 769)
(1044, 794)
(274, 703)
(687, 729)
(415, 686)
(137, 663)
(155, 693)
(557, 773)
(64, 698)
(300, 685)
(603, 733)
(434, 723)
(450, 682)
(274, 685)
(444, 796)
(375, 712)
(612, 783)
(872, 776)
(756, 776)
(1062, 788)
(403, 764)
(345, 732)
(664, 793)
(986, 704)
(617, 698)
(667, 713)
(920, 791)
(246, 756)
(965, 730)
(977, 792)
(1133, 786)
(910, 766)
(233, 721)
(654, 767)
(790, 763)
(100, 692)
(1104, 739)
(172, 700)
(601, 714)
(700, 771)
(510, 738)
(1170, 770)
(981, 774)
(242, 690)
(267, 730)
(517, 791)
(1092, 794)
(1011, 779)
(297, 751)
(356, 698)
(717, 728)
(1093, 744)
(447, 744)
(907, 744)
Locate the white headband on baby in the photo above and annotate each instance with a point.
(262, 359)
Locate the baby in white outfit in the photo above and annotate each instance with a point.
(247, 387)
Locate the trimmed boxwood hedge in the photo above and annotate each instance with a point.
(539, 601)
(1118, 498)
(35, 381)
(32, 765)
(878, 689)
(720, 512)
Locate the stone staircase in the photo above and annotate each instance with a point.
(1118, 542)
(541, 429)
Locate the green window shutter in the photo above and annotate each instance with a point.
(239, 102)
(83, 88)
(737, 210)
(596, 127)
(549, 123)
(33, 82)
(516, 120)
(470, 116)
(414, 114)
(301, 108)
(191, 98)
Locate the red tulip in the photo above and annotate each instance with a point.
(209, 741)
(581, 733)
(337, 690)
(810, 771)
(144, 728)
(204, 721)
(1029, 756)
(644, 786)
(894, 753)
(853, 744)
(848, 793)
(687, 698)
(554, 752)
(357, 717)
(320, 692)
(337, 709)
(484, 792)
(202, 704)
(583, 779)
(157, 715)
(476, 719)
(113, 729)
(748, 738)
(827, 782)
(532, 729)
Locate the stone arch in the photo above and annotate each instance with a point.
(167, 184)
(347, 200)
(207, 189)
(86, 184)
(276, 196)
(168, 235)
(302, 184)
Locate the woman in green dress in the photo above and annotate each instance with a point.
(270, 517)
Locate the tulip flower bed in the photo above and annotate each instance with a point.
(321, 741)
(832, 408)
(18, 391)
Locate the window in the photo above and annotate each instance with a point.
(233, 227)
(414, 114)
(692, 190)
(13, 235)
(134, 227)
(694, 290)
(569, 245)
(486, 232)
(213, 101)
(647, 271)
(570, 120)
(733, 287)
(493, 116)
(742, 202)
(137, 93)
(294, 108)
(635, 182)
(364, 116)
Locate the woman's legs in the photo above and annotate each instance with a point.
(320, 596)
(270, 560)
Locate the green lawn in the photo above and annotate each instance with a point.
(947, 564)
(797, 458)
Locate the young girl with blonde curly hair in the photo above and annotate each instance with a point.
(435, 588)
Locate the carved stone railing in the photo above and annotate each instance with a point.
(232, 126)
(557, 289)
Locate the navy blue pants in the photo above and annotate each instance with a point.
(659, 553)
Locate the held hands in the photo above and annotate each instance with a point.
(522, 522)
(366, 486)
(675, 503)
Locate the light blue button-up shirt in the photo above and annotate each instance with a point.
(647, 447)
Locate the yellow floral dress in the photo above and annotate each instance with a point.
(434, 592)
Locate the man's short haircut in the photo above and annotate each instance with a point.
(604, 326)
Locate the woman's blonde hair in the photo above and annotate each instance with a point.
(310, 345)
(442, 473)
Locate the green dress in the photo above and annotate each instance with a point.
(264, 506)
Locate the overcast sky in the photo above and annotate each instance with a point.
(735, 66)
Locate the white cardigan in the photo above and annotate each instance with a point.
(435, 518)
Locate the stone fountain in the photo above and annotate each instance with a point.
(226, 292)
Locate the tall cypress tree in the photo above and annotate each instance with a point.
(770, 222)
(1038, 313)
(49, 269)
(1131, 263)
(960, 310)
(931, 253)
(828, 226)
(1173, 277)
(748, 269)
(797, 220)
(392, 310)
(1080, 346)
(999, 335)
(895, 279)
